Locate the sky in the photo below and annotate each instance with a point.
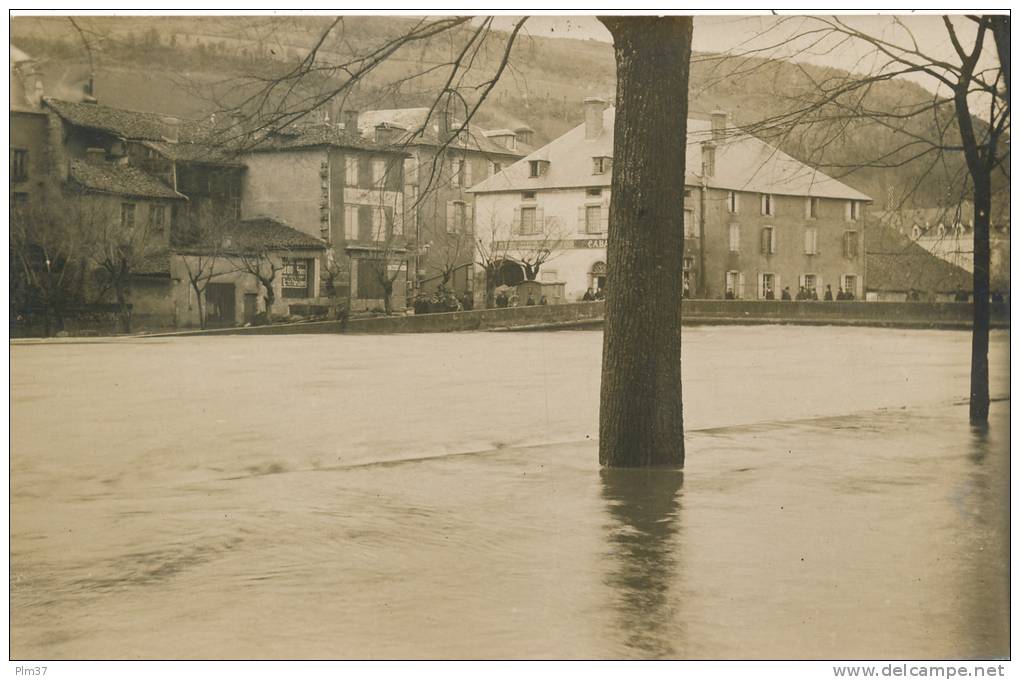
(735, 32)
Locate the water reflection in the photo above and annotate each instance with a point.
(644, 522)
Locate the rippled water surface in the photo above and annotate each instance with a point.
(438, 496)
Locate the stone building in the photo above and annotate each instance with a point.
(756, 220)
(441, 168)
(326, 180)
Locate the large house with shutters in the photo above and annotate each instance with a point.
(756, 220)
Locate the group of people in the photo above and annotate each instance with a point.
(513, 300)
(592, 295)
(443, 300)
(805, 293)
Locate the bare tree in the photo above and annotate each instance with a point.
(202, 245)
(47, 263)
(118, 246)
(263, 262)
(966, 118)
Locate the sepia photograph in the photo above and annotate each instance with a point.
(443, 337)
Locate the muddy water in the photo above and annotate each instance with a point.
(438, 497)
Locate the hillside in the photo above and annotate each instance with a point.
(176, 64)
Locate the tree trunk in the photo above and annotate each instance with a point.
(125, 313)
(270, 300)
(490, 287)
(982, 273)
(641, 409)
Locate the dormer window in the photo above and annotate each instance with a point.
(600, 165)
(538, 168)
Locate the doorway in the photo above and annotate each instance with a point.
(220, 304)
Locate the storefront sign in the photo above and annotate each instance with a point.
(590, 243)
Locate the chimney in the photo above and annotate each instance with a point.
(708, 159)
(170, 129)
(720, 123)
(442, 124)
(388, 133)
(593, 108)
(89, 90)
(349, 120)
(34, 88)
(95, 155)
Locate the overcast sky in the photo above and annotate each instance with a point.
(741, 32)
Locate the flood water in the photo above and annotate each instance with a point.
(438, 496)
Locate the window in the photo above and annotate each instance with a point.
(528, 196)
(297, 277)
(853, 210)
(351, 171)
(19, 165)
(811, 241)
(812, 207)
(690, 224)
(456, 218)
(379, 224)
(767, 287)
(593, 219)
(537, 168)
(600, 165)
(733, 202)
(849, 285)
(378, 171)
(497, 167)
(19, 201)
(768, 240)
(811, 285)
(157, 217)
(850, 242)
(351, 222)
(734, 238)
(768, 205)
(528, 221)
(127, 215)
(734, 285)
(594, 192)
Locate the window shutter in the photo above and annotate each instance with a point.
(582, 223)
(736, 203)
(807, 207)
(604, 216)
(846, 210)
(807, 241)
(740, 290)
(772, 240)
(450, 215)
(515, 226)
(859, 285)
(777, 287)
(766, 241)
(540, 220)
(467, 172)
(469, 217)
(761, 286)
(800, 281)
(763, 212)
(819, 287)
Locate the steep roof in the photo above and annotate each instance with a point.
(135, 125)
(121, 180)
(413, 119)
(895, 263)
(743, 163)
(189, 152)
